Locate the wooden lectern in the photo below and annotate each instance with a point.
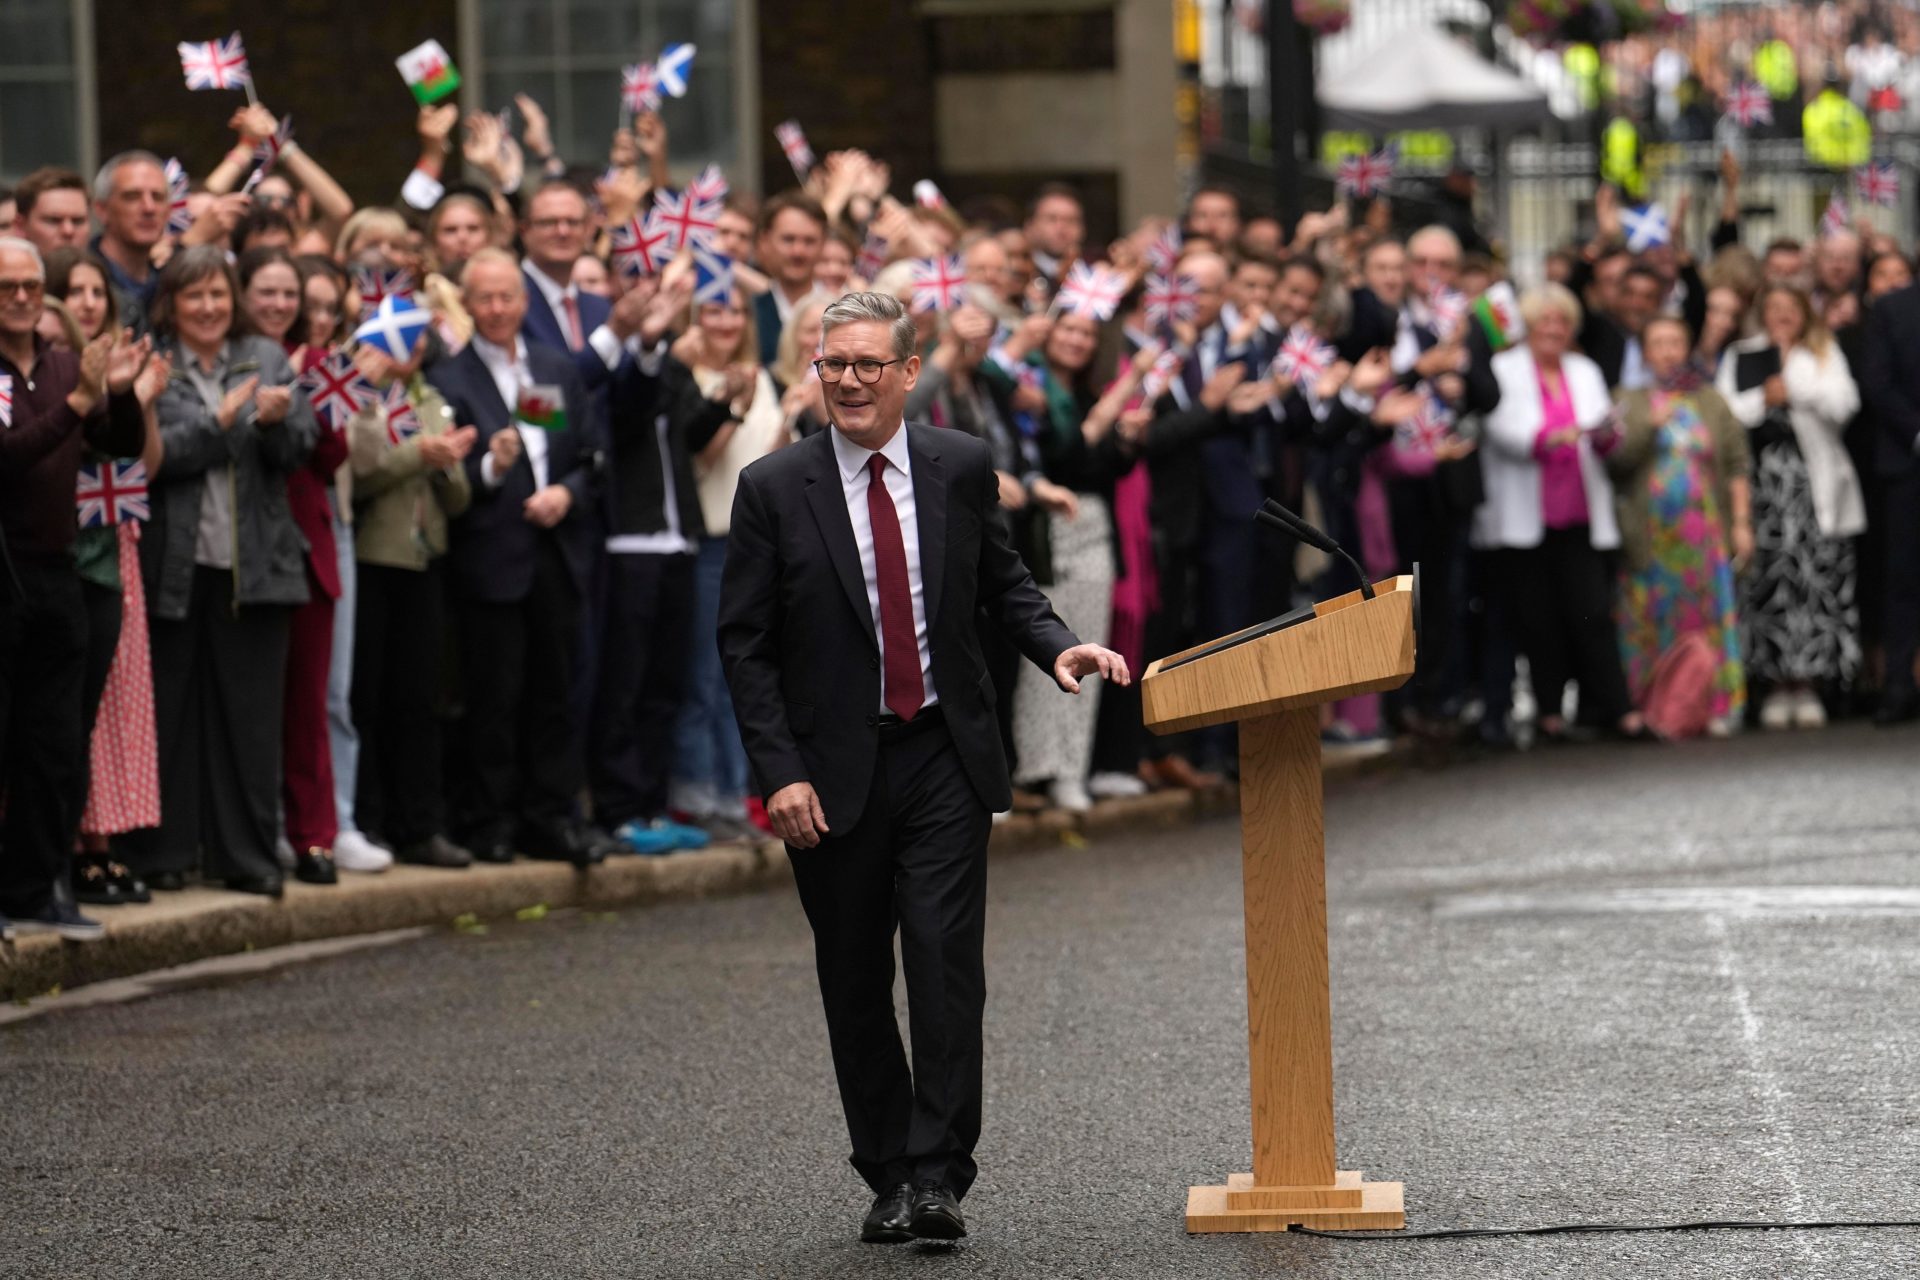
(1272, 679)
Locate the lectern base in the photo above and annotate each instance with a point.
(1349, 1205)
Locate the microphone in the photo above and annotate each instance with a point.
(1275, 516)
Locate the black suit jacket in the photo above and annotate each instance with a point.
(1890, 379)
(796, 633)
(494, 546)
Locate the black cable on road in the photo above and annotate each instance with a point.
(1475, 1233)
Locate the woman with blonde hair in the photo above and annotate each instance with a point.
(801, 399)
(1790, 386)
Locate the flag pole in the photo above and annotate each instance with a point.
(253, 99)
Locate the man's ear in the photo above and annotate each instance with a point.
(912, 370)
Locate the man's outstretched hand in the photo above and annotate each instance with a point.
(796, 815)
(1089, 660)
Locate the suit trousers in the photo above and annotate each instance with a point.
(219, 681)
(1901, 616)
(916, 862)
(520, 754)
(1561, 593)
(648, 635)
(43, 754)
(308, 763)
(399, 638)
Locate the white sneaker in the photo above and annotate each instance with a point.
(1777, 711)
(1112, 785)
(1070, 794)
(1808, 711)
(1720, 727)
(354, 852)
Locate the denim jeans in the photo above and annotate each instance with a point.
(345, 741)
(710, 765)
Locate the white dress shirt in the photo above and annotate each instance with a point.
(510, 374)
(854, 478)
(602, 340)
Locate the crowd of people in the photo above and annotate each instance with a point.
(247, 632)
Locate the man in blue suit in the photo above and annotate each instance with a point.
(519, 562)
(555, 233)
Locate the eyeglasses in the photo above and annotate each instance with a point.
(555, 224)
(866, 371)
(29, 288)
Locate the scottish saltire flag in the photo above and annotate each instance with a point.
(266, 153)
(111, 492)
(179, 218)
(337, 390)
(794, 143)
(1091, 290)
(376, 285)
(1837, 217)
(671, 67)
(1749, 104)
(1164, 252)
(403, 423)
(1878, 184)
(396, 327)
(6, 400)
(639, 90)
(1363, 176)
(1646, 227)
(685, 220)
(1303, 359)
(712, 275)
(215, 64)
(1171, 298)
(939, 284)
(710, 187)
(640, 247)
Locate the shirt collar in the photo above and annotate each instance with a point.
(853, 458)
(494, 354)
(552, 290)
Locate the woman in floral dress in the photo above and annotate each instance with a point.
(1681, 488)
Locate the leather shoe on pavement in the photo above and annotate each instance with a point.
(891, 1218)
(936, 1213)
(438, 851)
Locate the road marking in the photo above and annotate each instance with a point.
(1734, 901)
(1773, 1099)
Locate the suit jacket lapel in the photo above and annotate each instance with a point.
(930, 507)
(828, 498)
(483, 379)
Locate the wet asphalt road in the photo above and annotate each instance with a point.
(1586, 984)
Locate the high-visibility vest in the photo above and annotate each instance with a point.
(1837, 132)
(1776, 70)
(1620, 161)
(1582, 62)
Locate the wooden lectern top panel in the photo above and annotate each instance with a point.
(1350, 646)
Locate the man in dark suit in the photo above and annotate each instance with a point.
(555, 232)
(519, 571)
(1890, 385)
(858, 561)
(792, 229)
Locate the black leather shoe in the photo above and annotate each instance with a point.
(600, 843)
(890, 1221)
(94, 882)
(1896, 709)
(265, 886)
(167, 881)
(936, 1213)
(315, 866)
(438, 851)
(127, 882)
(556, 842)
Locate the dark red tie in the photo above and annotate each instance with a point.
(575, 340)
(904, 689)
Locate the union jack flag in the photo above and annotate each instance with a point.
(6, 400)
(377, 285)
(1171, 298)
(266, 153)
(1449, 308)
(215, 64)
(1091, 290)
(873, 255)
(1164, 252)
(337, 390)
(1302, 357)
(178, 216)
(1749, 104)
(939, 284)
(403, 423)
(794, 143)
(710, 187)
(111, 492)
(640, 247)
(639, 88)
(1165, 368)
(686, 221)
(1878, 184)
(1363, 176)
(1835, 219)
(1430, 425)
